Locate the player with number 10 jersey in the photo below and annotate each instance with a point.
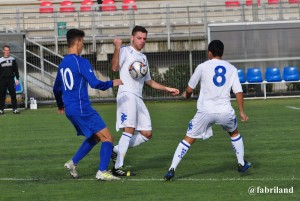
(71, 94)
(75, 73)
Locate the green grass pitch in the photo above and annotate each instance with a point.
(35, 145)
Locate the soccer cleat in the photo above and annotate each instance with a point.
(114, 156)
(106, 176)
(121, 172)
(1, 112)
(170, 175)
(246, 166)
(71, 167)
(16, 111)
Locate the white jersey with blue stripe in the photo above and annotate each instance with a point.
(217, 78)
(129, 55)
(71, 85)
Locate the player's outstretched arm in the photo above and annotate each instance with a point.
(155, 85)
(117, 82)
(188, 92)
(240, 102)
(115, 66)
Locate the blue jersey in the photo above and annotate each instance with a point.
(71, 85)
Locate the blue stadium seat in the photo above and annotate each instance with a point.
(290, 73)
(254, 75)
(19, 87)
(241, 75)
(272, 74)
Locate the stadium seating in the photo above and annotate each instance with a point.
(272, 74)
(66, 6)
(46, 7)
(86, 5)
(294, 1)
(129, 4)
(273, 1)
(241, 75)
(254, 75)
(232, 3)
(250, 2)
(108, 5)
(290, 73)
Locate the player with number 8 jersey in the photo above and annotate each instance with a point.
(217, 78)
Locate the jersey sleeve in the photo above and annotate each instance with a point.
(88, 73)
(57, 90)
(148, 75)
(236, 86)
(122, 56)
(194, 80)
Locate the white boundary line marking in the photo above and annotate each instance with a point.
(295, 108)
(155, 179)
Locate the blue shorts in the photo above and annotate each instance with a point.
(87, 125)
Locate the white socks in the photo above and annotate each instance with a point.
(122, 148)
(136, 140)
(180, 152)
(127, 141)
(238, 147)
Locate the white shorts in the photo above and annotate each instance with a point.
(132, 112)
(201, 125)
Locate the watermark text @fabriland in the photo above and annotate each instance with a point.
(252, 190)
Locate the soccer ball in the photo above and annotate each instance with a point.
(138, 70)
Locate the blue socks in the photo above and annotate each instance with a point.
(84, 149)
(87, 146)
(105, 154)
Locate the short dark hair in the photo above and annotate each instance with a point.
(73, 35)
(5, 46)
(216, 47)
(138, 29)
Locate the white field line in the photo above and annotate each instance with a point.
(295, 108)
(156, 179)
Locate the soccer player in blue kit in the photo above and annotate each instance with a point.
(71, 94)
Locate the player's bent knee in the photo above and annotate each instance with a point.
(234, 133)
(147, 135)
(96, 139)
(129, 130)
(106, 139)
(104, 135)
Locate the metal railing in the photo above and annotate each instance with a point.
(176, 40)
(164, 20)
(41, 67)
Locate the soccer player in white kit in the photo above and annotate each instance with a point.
(132, 114)
(217, 78)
